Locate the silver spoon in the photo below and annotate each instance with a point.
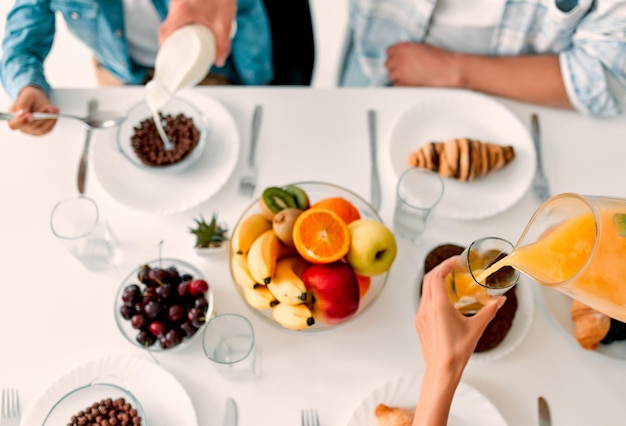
(99, 120)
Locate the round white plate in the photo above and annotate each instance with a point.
(469, 407)
(443, 115)
(162, 397)
(558, 305)
(169, 193)
(520, 327)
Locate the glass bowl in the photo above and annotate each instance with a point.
(174, 106)
(83, 398)
(175, 330)
(315, 192)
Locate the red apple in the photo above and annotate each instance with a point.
(334, 289)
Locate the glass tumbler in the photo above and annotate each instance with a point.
(76, 222)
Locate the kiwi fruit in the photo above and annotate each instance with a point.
(275, 199)
(302, 199)
(283, 224)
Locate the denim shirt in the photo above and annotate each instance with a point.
(99, 24)
(588, 35)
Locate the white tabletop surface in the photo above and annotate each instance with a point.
(56, 315)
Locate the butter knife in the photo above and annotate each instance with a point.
(92, 107)
(375, 195)
(230, 414)
(544, 412)
(540, 183)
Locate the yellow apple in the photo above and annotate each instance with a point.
(373, 247)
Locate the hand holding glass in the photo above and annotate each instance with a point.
(467, 289)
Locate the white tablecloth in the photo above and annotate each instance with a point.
(56, 315)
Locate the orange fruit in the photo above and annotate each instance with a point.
(321, 236)
(342, 207)
(364, 284)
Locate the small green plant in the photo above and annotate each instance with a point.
(210, 235)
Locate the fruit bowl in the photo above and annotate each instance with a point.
(163, 305)
(289, 286)
(80, 401)
(181, 117)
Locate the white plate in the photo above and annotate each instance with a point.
(163, 398)
(443, 115)
(170, 193)
(558, 305)
(520, 327)
(469, 407)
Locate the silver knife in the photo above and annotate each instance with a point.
(92, 107)
(230, 415)
(544, 412)
(540, 183)
(375, 195)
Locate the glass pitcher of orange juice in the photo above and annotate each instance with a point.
(576, 244)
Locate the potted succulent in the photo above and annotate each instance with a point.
(210, 237)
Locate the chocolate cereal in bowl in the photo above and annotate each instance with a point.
(185, 126)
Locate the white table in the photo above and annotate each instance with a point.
(57, 315)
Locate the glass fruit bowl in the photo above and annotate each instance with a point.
(163, 305)
(108, 398)
(180, 117)
(286, 284)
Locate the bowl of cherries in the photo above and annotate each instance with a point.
(163, 305)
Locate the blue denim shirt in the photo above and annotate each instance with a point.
(99, 24)
(588, 35)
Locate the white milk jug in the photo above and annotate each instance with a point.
(182, 61)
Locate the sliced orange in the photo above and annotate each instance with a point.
(321, 236)
(342, 207)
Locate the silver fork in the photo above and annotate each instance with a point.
(247, 183)
(309, 417)
(540, 183)
(10, 415)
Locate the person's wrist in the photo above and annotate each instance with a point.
(456, 70)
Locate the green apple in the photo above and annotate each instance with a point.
(373, 247)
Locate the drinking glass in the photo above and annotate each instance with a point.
(467, 293)
(228, 341)
(417, 194)
(77, 223)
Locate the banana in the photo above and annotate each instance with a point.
(241, 273)
(263, 255)
(249, 230)
(286, 284)
(293, 317)
(259, 297)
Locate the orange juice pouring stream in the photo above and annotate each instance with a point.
(577, 245)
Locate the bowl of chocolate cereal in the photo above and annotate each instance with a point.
(97, 403)
(140, 140)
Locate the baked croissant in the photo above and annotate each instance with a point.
(393, 416)
(590, 326)
(462, 158)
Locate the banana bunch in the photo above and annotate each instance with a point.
(269, 273)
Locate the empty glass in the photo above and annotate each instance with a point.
(77, 223)
(417, 194)
(228, 341)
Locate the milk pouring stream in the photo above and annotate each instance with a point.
(182, 61)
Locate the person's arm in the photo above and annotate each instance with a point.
(447, 339)
(217, 15)
(535, 79)
(28, 39)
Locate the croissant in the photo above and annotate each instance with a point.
(462, 158)
(590, 326)
(393, 416)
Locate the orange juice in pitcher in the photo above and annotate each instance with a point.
(576, 244)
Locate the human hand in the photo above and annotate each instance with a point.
(447, 337)
(418, 64)
(217, 15)
(32, 99)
